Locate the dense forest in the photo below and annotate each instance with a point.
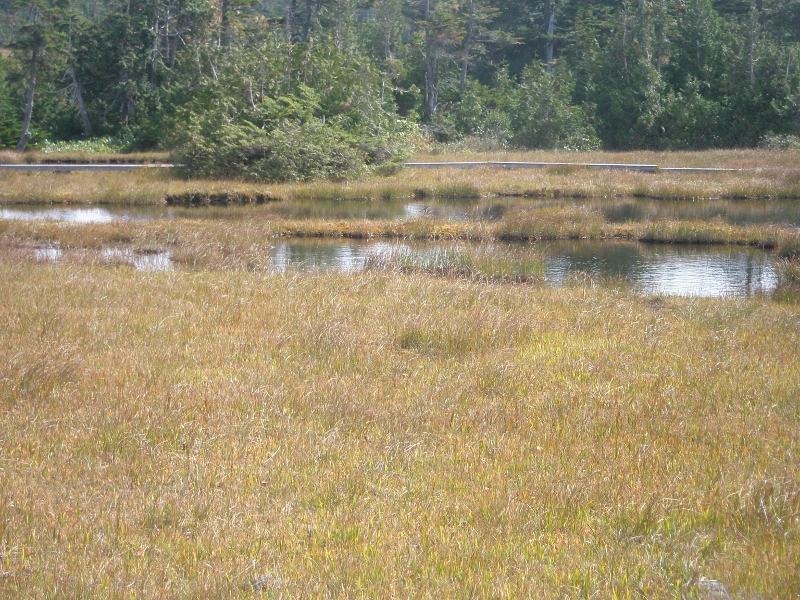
(365, 76)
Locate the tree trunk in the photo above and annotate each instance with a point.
(76, 85)
(225, 26)
(467, 44)
(549, 24)
(660, 25)
(753, 22)
(26, 122)
(432, 56)
(291, 16)
(625, 42)
(154, 55)
(78, 90)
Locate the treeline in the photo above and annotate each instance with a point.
(245, 83)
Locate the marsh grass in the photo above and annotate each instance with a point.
(551, 223)
(490, 264)
(225, 433)
(533, 223)
(769, 174)
(789, 281)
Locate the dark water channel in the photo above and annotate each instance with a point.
(649, 269)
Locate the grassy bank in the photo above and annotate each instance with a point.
(231, 434)
(37, 157)
(773, 174)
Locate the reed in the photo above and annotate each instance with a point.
(237, 434)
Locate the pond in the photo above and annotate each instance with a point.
(613, 210)
(702, 271)
(648, 269)
(697, 271)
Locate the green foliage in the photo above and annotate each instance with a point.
(291, 151)
(773, 141)
(663, 74)
(543, 117)
(10, 115)
(687, 120)
(103, 145)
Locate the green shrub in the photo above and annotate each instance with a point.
(773, 141)
(103, 145)
(289, 152)
(542, 116)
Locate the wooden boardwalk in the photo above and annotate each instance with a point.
(67, 168)
(557, 165)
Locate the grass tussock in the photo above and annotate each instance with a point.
(236, 434)
(482, 263)
(550, 223)
(705, 232)
(769, 174)
(789, 281)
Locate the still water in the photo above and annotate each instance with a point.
(702, 271)
(614, 210)
(649, 269)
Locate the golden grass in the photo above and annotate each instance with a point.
(771, 174)
(234, 434)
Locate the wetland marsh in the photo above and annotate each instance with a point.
(411, 397)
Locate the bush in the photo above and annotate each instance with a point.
(289, 152)
(103, 145)
(542, 116)
(772, 141)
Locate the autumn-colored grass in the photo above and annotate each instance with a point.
(774, 174)
(227, 433)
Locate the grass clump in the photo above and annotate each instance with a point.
(789, 280)
(550, 223)
(704, 232)
(484, 263)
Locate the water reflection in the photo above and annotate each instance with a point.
(319, 256)
(654, 270)
(72, 215)
(667, 270)
(141, 261)
(710, 271)
(615, 210)
(48, 253)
